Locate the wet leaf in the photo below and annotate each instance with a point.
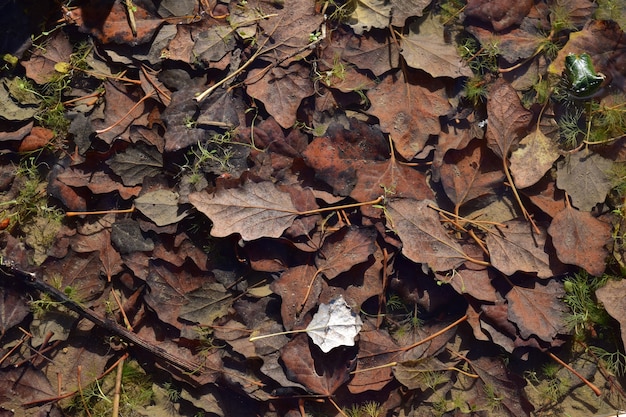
(206, 304)
(424, 239)
(501, 14)
(13, 309)
(160, 206)
(27, 383)
(493, 373)
(370, 14)
(580, 239)
(320, 374)
(508, 119)
(345, 249)
(409, 110)
(281, 90)
(254, 210)
(585, 178)
(414, 374)
(136, 163)
(127, 238)
(425, 48)
(538, 310)
(612, 298)
(467, 175)
(169, 287)
(533, 158)
(515, 248)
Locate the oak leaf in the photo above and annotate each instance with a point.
(254, 210)
(580, 239)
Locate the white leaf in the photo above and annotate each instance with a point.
(334, 324)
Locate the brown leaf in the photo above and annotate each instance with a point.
(580, 239)
(321, 374)
(585, 176)
(369, 52)
(136, 163)
(344, 249)
(98, 182)
(501, 14)
(40, 66)
(414, 374)
(376, 178)
(119, 102)
(338, 156)
(13, 309)
(533, 158)
(206, 304)
(546, 196)
(538, 310)
(38, 138)
(81, 271)
(409, 109)
(424, 239)
(291, 291)
(493, 373)
(515, 248)
(467, 175)
(612, 298)
(376, 348)
(425, 48)
(281, 90)
(108, 22)
(508, 119)
(27, 383)
(403, 9)
(101, 242)
(169, 287)
(254, 210)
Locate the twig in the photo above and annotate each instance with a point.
(585, 381)
(30, 279)
(118, 386)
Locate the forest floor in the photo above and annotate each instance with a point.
(357, 208)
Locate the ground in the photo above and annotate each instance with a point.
(300, 208)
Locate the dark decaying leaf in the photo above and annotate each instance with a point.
(81, 271)
(424, 239)
(320, 374)
(136, 163)
(254, 210)
(414, 374)
(127, 237)
(13, 309)
(580, 239)
(27, 383)
(168, 291)
(538, 310)
(122, 111)
(206, 304)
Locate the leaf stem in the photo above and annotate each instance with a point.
(345, 206)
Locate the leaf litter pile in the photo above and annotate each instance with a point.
(290, 208)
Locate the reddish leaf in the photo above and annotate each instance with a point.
(292, 291)
(466, 175)
(38, 138)
(81, 271)
(254, 210)
(281, 90)
(424, 239)
(340, 155)
(27, 383)
(516, 248)
(508, 119)
(321, 374)
(344, 249)
(108, 22)
(538, 310)
(501, 14)
(612, 298)
(101, 242)
(580, 239)
(376, 348)
(40, 66)
(98, 182)
(409, 110)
